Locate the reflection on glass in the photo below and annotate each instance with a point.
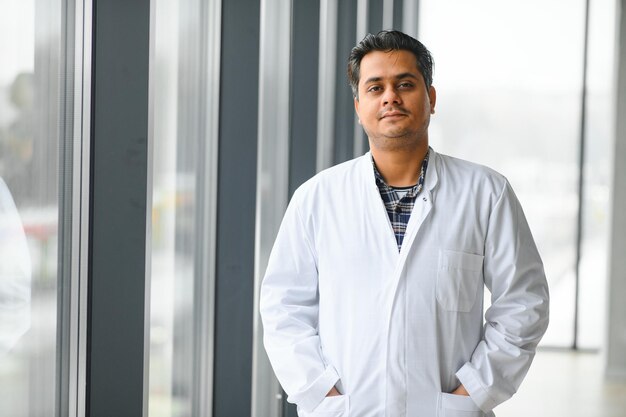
(508, 100)
(30, 118)
(177, 132)
(15, 274)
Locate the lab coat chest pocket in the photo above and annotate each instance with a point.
(458, 277)
(335, 406)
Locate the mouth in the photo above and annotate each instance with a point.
(392, 115)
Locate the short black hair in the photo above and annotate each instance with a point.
(387, 41)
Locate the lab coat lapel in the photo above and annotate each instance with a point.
(379, 212)
(421, 210)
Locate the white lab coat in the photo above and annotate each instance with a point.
(396, 332)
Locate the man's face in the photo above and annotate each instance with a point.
(394, 105)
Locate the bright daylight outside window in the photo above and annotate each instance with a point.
(509, 81)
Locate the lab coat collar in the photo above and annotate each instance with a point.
(431, 180)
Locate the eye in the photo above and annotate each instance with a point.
(405, 85)
(374, 89)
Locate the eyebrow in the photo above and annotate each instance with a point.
(397, 77)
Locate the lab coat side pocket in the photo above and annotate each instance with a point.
(451, 405)
(458, 277)
(335, 406)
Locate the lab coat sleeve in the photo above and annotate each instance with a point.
(289, 311)
(518, 315)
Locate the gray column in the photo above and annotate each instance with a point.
(305, 38)
(236, 202)
(616, 343)
(116, 346)
(344, 123)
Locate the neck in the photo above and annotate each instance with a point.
(399, 167)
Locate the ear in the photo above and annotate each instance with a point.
(356, 106)
(432, 97)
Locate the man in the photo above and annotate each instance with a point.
(372, 303)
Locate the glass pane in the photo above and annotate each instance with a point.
(30, 123)
(168, 273)
(598, 174)
(508, 100)
(178, 325)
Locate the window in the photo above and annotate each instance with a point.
(509, 100)
(33, 122)
(183, 208)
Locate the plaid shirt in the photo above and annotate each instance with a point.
(399, 209)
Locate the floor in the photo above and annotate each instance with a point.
(566, 384)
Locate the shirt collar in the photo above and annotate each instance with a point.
(380, 181)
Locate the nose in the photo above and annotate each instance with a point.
(391, 96)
